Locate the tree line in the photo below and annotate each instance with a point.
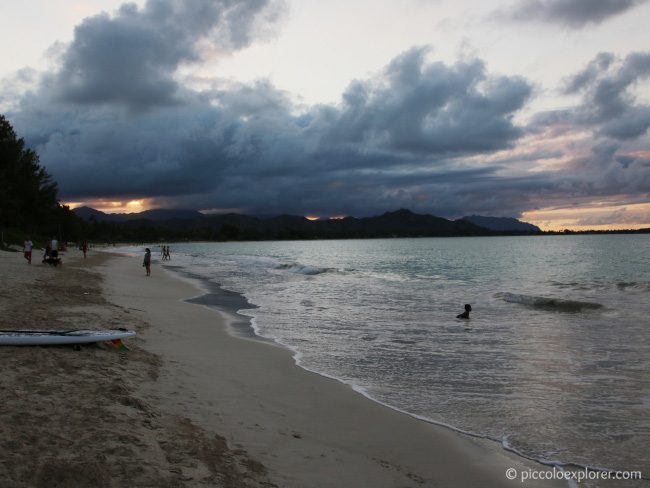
(29, 203)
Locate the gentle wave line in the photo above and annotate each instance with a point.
(556, 304)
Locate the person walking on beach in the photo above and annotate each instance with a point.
(84, 248)
(27, 250)
(147, 261)
(168, 256)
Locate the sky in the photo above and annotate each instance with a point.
(535, 109)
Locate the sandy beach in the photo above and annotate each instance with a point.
(190, 404)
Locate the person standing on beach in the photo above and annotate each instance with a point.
(27, 250)
(168, 253)
(84, 248)
(147, 261)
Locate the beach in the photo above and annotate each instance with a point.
(192, 405)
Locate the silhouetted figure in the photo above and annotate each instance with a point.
(465, 314)
(51, 256)
(46, 253)
(147, 261)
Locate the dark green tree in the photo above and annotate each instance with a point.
(28, 195)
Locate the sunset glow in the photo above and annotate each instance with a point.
(617, 217)
(114, 206)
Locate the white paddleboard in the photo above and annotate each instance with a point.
(51, 337)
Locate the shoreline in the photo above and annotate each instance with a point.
(221, 300)
(192, 405)
(483, 459)
(213, 298)
(228, 302)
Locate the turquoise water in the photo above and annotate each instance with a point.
(554, 362)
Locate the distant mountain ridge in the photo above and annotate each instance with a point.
(502, 224)
(159, 214)
(193, 225)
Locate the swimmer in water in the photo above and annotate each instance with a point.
(465, 314)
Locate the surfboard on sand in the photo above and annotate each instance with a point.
(52, 337)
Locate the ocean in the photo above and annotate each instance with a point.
(553, 364)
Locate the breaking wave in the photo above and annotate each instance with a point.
(633, 285)
(549, 303)
(303, 269)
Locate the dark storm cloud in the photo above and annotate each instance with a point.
(570, 13)
(430, 108)
(130, 58)
(609, 170)
(452, 193)
(396, 139)
(113, 121)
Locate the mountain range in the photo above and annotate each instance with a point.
(156, 215)
(194, 225)
(503, 224)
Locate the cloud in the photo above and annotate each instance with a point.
(395, 139)
(608, 106)
(601, 172)
(590, 73)
(569, 13)
(114, 121)
(616, 217)
(608, 102)
(608, 170)
(424, 108)
(130, 57)
(13, 87)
